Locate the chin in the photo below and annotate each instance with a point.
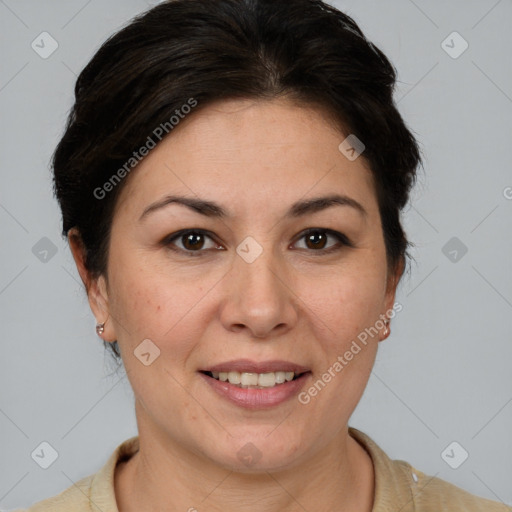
(259, 452)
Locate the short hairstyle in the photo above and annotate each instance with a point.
(211, 50)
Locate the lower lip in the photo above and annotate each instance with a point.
(252, 398)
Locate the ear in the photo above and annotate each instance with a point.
(96, 287)
(393, 279)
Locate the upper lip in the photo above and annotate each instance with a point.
(249, 366)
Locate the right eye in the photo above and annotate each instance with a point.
(191, 240)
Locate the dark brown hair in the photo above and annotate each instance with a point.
(211, 50)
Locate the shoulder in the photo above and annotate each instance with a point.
(92, 493)
(431, 494)
(75, 498)
(400, 486)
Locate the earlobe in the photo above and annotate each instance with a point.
(391, 285)
(99, 303)
(386, 332)
(95, 286)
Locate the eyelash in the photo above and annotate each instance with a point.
(342, 241)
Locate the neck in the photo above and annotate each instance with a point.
(339, 478)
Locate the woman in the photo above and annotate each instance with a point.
(231, 180)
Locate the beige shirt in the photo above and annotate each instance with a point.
(398, 487)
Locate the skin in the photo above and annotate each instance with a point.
(294, 302)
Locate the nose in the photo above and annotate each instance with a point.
(259, 297)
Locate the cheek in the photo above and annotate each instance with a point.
(344, 315)
(138, 303)
(150, 302)
(348, 301)
(138, 297)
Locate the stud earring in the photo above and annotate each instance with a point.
(100, 328)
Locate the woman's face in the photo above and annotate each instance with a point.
(251, 288)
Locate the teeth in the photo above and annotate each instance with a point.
(258, 380)
(267, 380)
(247, 379)
(234, 377)
(280, 377)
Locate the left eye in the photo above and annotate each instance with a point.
(316, 239)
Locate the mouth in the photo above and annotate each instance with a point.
(253, 380)
(256, 385)
(256, 390)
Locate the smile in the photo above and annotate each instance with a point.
(256, 390)
(254, 380)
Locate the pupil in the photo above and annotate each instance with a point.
(191, 241)
(313, 237)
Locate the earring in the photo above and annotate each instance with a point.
(386, 332)
(100, 328)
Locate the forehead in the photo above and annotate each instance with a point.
(246, 152)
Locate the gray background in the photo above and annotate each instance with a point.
(443, 375)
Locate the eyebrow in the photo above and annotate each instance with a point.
(298, 209)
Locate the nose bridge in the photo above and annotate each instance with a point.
(258, 299)
(256, 266)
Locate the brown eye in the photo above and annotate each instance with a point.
(317, 239)
(190, 242)
(193, 241)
